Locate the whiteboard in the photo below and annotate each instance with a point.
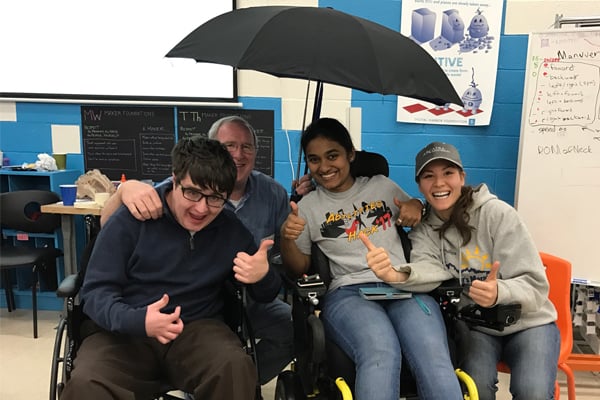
(101, 48)
(558, 174)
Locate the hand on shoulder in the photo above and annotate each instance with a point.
(141, 199)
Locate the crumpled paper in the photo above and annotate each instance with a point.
(45, 162)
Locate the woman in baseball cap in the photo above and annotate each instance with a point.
(470, 234)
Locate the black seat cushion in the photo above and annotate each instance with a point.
(13, 257)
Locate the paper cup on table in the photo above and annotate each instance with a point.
(100, 198)
(61, 160)
(69, 194)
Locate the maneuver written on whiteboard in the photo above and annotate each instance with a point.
(558, 175)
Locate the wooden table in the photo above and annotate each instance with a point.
(68, 228)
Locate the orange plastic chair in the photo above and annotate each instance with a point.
(558, 272)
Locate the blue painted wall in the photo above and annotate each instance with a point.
(489, 153)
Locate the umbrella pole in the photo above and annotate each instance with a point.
(303, 126)
(318, 101)
(316, 111)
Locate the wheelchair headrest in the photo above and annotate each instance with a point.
(369, 164)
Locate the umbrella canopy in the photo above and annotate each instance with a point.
(323, 45)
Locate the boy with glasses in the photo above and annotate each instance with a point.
(262, 205)
(154, 290)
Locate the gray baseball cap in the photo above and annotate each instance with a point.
(436, 151)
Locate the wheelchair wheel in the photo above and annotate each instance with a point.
(316, 339)
(58, 359)
(467, 384)
(289, 387)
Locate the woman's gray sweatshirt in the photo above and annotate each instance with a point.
(499, 235)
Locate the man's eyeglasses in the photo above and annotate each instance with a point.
(195, 195)
(247, 148)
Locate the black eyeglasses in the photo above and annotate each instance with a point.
(195, 195)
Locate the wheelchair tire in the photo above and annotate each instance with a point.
(289, 387)
(57, 383)
(316, 339)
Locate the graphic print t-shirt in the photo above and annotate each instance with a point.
(334, 220)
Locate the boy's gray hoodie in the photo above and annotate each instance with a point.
(499, 235)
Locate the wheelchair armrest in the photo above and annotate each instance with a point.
(310, 287)
(288, 281)
(319, 264)
(276, 263)
(69, 287)
(497, 317)
(276, 260)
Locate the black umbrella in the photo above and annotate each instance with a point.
(323, 45)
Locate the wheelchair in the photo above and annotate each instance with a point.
(69, 333)
(321, 370)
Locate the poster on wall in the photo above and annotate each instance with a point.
(464, 38)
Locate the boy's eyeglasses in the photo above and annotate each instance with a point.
(195, 195)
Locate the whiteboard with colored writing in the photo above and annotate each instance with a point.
(558, 175)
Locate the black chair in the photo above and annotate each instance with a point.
(321, 370)
(21, 216)
(69, 334)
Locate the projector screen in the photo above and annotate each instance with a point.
(107, 50)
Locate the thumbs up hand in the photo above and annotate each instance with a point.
(162, 326)
(485, 293)
(251, 269)
(293, 226)
(379, 262)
